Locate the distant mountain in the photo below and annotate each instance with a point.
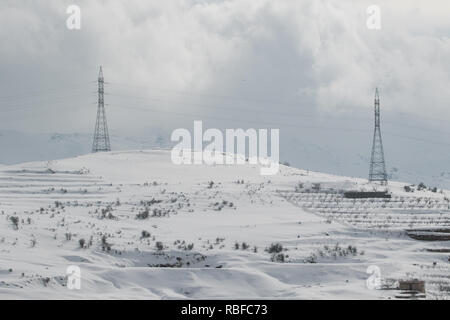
(18, 147)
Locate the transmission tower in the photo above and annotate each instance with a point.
(377, 165)
(101, 136)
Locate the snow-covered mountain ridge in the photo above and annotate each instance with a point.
(430, 166)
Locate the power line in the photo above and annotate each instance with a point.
(194, 104)
(294, 104)
(191, 115)
(210, 95)
(80, 104)
(38, 93)
(42, 103)
(263, 112)
(271, 124)
(278, 113)
(57, 91)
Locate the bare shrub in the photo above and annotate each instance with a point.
(15, 221)
(159, 246)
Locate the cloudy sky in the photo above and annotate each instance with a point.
(308, 67)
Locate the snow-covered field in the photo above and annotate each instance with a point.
(140, 227)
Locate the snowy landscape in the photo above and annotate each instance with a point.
(141, 227)
(332, 116)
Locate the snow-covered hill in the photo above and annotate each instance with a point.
(140, 227)
(404, 161)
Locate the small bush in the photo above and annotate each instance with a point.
(159, 246)
(105, 245)
(311, 259)
(275, 248)
(278, 257)
(145, 234)
(15, 221)
(143, 215)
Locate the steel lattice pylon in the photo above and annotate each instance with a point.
(377, 171)
(101, 136)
